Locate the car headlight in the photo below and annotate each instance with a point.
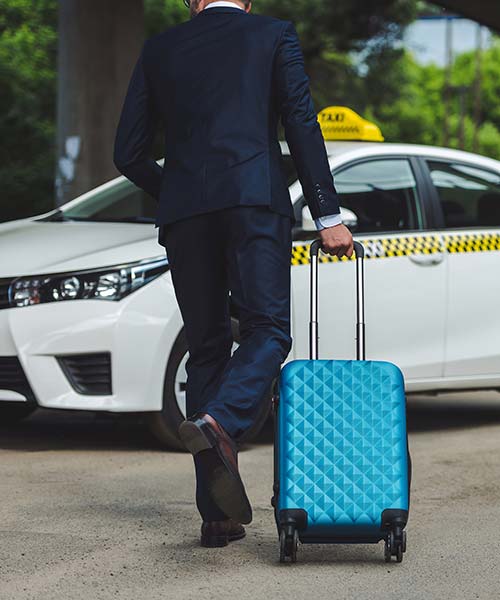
(111, 283)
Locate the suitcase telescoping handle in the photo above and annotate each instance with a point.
(360, 301)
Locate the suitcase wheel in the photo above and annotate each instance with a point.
(395, 545)
(289, 540)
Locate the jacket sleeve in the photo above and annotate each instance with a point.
(135, 133)
(302, 130)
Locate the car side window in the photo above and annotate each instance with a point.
(469, 195)
(381, 194)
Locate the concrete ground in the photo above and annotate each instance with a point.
(94, 509)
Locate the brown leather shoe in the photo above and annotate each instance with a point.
(215, 534)
(217, 455)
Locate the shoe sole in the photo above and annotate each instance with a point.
(225, 486)
(219, 541)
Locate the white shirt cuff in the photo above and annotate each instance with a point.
(328, 221)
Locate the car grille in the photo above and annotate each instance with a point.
(4, 292)
(12, 377)
(89, 374)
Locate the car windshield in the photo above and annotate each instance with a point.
(122, 202)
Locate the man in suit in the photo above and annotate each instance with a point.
(219, 83)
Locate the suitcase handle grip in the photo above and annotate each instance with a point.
(360, 300)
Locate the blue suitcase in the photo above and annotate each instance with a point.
(342, 467)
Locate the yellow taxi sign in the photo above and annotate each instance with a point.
(342, 123)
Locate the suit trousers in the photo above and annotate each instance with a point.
(231, 261)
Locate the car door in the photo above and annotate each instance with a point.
(468, 196)
(404, 274)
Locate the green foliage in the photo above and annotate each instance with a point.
(489, 140)
(342, 25)
(464, 73)
(28, 45)
(160, 14)
(406, 101)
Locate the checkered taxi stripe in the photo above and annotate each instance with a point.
(410, 245)
(481, 242)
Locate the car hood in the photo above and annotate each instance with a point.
(31, 247)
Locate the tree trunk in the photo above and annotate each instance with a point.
(99, 42)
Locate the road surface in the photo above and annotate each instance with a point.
(92, 508)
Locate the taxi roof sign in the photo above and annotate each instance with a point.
(342, 123)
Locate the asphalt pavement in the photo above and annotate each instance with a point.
(92, 508)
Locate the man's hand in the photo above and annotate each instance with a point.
(337, 241)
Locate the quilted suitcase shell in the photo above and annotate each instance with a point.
(342, 446)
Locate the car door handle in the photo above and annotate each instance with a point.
(427, 260)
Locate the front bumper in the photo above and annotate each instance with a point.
(137, 333)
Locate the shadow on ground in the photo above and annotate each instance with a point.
(77, 430)
(71, 430)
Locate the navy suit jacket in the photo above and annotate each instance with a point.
(218, 85)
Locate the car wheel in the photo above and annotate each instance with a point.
(12, 412)
(164, 424)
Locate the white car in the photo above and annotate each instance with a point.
(89, 319)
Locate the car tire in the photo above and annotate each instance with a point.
(12, 412)
(164, 424)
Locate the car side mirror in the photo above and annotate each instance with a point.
(349, 219)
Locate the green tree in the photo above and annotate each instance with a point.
(161, 14)
(464, 73)
(406, 101)
(28, 45)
